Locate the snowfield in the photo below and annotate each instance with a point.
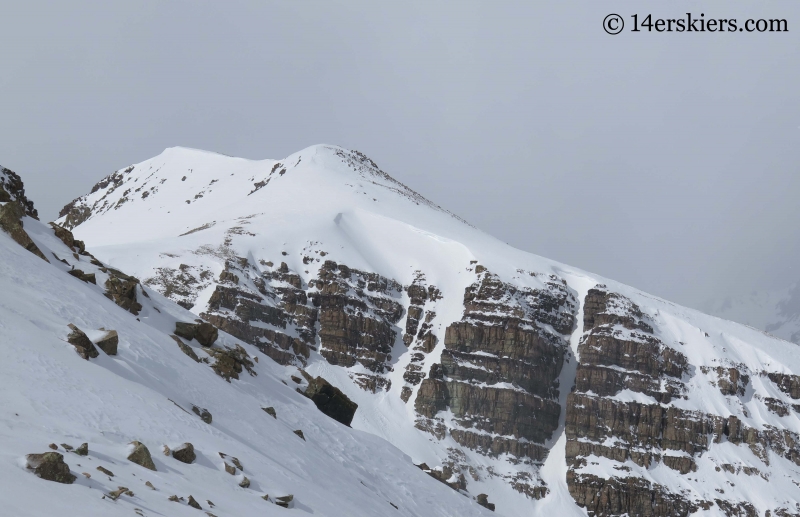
(146, 393)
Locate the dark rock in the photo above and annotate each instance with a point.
(331, 401)
(69, 240)
(205, 333)
(81, 275)
(230, 469)
(121, 289)
(230, 362)
(483, 500)
(141, 456)
(109, 342)
(105, 471)
(244, 483)
(12, 189)
(184, 453)
(203, 413)
(11, 214)
(50, 466)
(284, 500)
(186, 349)
(299, 433)
(270, 411)
(501, 342)
(83, 345)
(193, 503)
(53, 446)
(83, 450)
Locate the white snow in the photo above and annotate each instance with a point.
(324, 199)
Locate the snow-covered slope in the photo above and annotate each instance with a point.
(146, 393)
(460, 350)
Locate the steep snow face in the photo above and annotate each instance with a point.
(147, 391)
(776, 311)
(459, 349)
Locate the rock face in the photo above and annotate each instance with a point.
(419, 336)
(109, 342)
(121, 289)
(230, 362)
(331, 401)
(141, 456)
(618, 351)
(83, 345)
(203, 413)
(12, 189)
(50, 466)
(499, 371)
(185, 453)
(272, 308)
(11, 214)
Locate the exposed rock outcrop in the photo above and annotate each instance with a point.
(11, 214)
(121, 289)
(140, 455)
(499, 371)
(109, 342)
(83, 345)
(331, 401)
(184, 453)
(205, 333)
(50, 466)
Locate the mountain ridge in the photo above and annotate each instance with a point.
(496, 371)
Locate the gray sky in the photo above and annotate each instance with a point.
(667, 161)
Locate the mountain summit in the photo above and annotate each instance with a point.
(525, 385)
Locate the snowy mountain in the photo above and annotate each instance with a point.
(85, 419)
(514, 380)
(774, 311)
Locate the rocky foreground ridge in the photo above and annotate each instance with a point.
(526, 385)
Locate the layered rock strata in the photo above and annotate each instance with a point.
(498, 376)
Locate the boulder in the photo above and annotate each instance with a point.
(141, 456)
(105, 471)
(108, 343)
(204, 414)
(184, 453)
(331, 401)
(194, 504)
(299, 433)
(121, 289)
(483, 500)
(83, 345)
(245, 483)
(270, 411)
(81, 275)
(83, 450)
(205, 333)
(50, 466)
(284, 500)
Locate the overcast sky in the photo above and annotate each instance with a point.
(666, 161)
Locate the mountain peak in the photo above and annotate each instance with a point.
(190, 183)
